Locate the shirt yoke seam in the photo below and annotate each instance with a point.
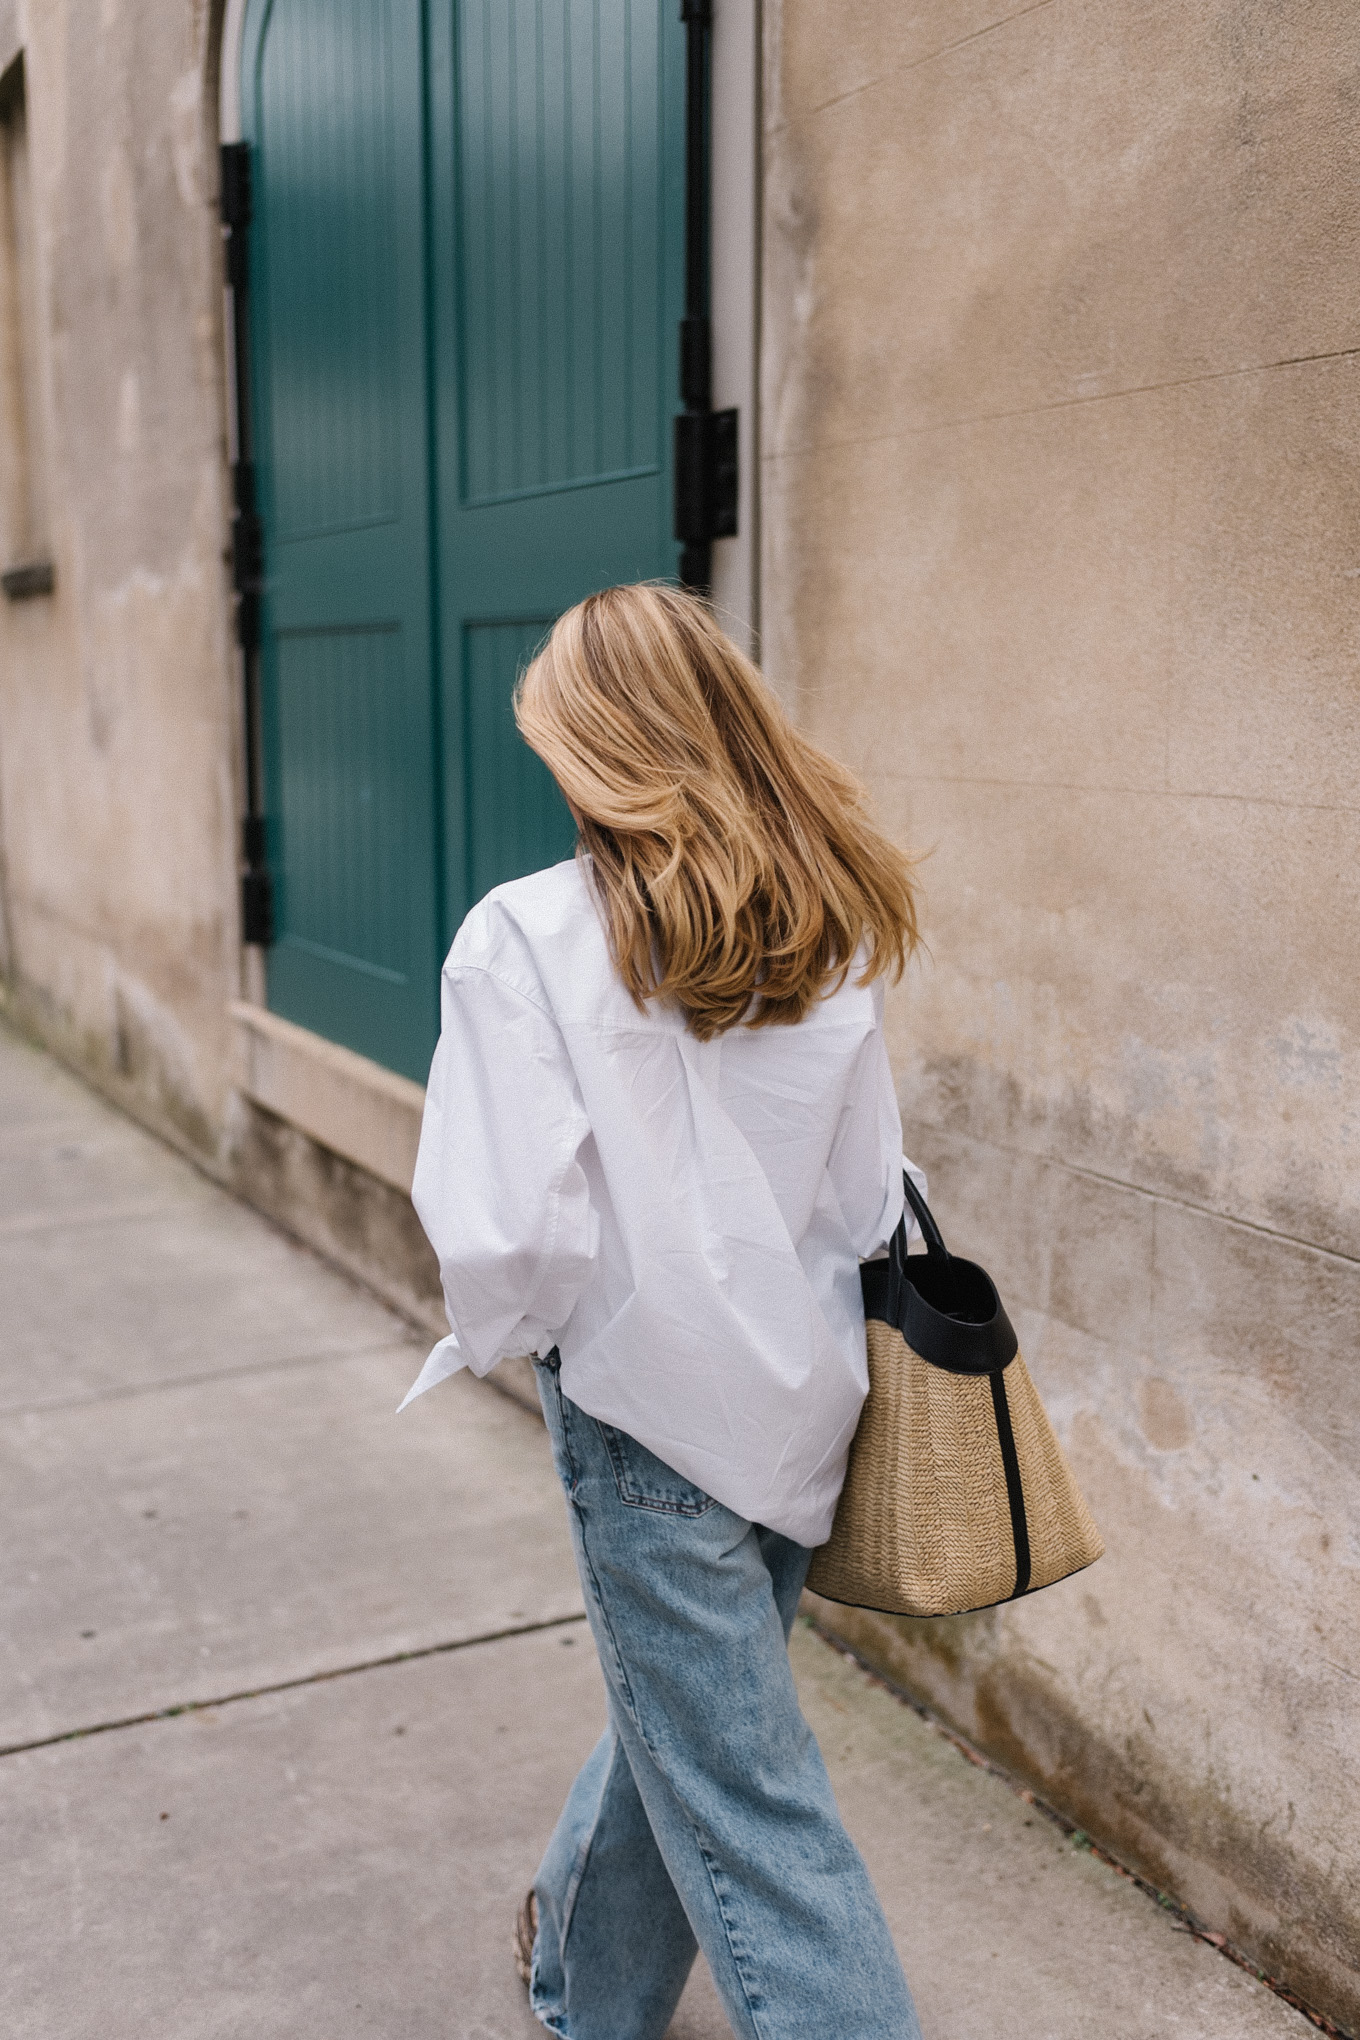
(485, 970)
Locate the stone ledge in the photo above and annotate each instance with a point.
(356, 1108)
(309, 1102)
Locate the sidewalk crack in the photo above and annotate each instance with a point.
(377, 1664)
(160, 1384)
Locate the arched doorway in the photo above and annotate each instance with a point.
(465, 282)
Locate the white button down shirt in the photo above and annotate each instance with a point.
(683, 1220)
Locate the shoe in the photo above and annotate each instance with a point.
(526, 1933)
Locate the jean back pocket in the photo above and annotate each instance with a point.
(646, 1482)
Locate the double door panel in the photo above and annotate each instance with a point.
(465, 278)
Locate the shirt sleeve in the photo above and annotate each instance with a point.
(499, 1186)
(867, 1161)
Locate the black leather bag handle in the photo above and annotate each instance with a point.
(947, 1309)
(921, 1212)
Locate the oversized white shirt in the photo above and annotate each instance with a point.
(683, 1220)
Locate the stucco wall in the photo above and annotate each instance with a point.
(1062, 436)
(117, 694)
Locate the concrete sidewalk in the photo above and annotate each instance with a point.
(323, 1678)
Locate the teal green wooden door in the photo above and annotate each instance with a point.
(558, 184)
(333, 109)
(466, 275)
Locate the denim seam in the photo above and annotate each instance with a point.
(595, 1592)
(757, 2023)
(634, 1713)
(578, 1871)
(567, 1453)
(582, 1863)
(608, 1628)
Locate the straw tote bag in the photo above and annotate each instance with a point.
(958, 1495)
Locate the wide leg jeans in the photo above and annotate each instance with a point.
(704, 1817)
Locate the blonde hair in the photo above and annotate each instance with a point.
(738, 872)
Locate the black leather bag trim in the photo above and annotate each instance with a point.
(873, 1280)
(947, 1309)
(1015, 1492)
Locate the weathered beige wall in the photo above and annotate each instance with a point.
(117, 695)
(1062, 440)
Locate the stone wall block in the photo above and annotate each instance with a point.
(1268, 1311)
(808, 71)
(1056, 1241)
(1267, 535)
(1020, 610)
(1101, 199)
(1158, 989)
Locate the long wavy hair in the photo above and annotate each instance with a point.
(737, 869)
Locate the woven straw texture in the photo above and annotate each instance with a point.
(923, 1526)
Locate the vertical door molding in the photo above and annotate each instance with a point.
(735, 254)
(558, 163)
(332, 108)
(229, 73)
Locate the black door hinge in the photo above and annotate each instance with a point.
(705, 476)
(257, 885)
(247, 549)
(234, 205)
(257, 907)
(247, 556)
(705, 439)
(235, 193)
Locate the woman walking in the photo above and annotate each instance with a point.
(660, 1136)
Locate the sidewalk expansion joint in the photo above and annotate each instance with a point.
(246, 1370)
(377, 1664)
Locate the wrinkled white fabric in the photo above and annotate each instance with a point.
(683, 1220)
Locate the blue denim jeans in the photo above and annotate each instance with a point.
(704, 1816)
